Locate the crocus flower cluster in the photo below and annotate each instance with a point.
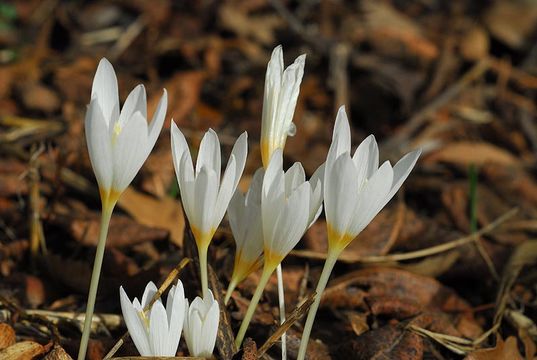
(157, 332)
(267, 222)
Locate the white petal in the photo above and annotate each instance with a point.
(210, 330)
(180, 147)
(291, 79)
(292, 221)
(316, 198)
(341, 193)
(129, 151)
(372, 198)
(254, 191)
(158, 330)
(236, 214)
(341, 138)
(158, 119)
(206, 190)
(272, 90)
(240, 152)
(104, 90)
(244, 214)
(294, 177)
(175, 308)
(366, 159)
(99, 146)
(401, 170)
(149, 292)
(134, 324)
(136, 101)
(224, 193)
(194, 338)
(209, 154)
(186, 324)
(273, 196)
(187, 188)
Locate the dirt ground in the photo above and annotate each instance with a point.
(445, 271)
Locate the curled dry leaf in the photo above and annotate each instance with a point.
(24, 350)
(57, 353)
(502, 351)
(7, 336)
(466, 153)
(165, 213)
(401, 294)
(387, 342)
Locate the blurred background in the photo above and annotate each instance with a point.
(455, 78)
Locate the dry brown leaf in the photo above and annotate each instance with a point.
(433, 266)
(34, 290)
(249, 350)
(512, 22)
(358, 322)
(24, 350)
(7, 336)
(165, 213)
(475, 43)
(465, 153)
(260, 28)
(57, 353)
(37, 96)
(385, 343)
(502, 351)
(388, 27)
(183, 93)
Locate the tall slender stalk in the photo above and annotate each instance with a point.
(281, 300)
(323, 280)
(106, 215)
(202, 251)
(265, 276)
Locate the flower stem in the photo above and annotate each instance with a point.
(265, 276)
(323, 280)
(202, 251)
(281, 300)
(106, 215)
(229, 291)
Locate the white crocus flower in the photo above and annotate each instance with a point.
(281, 93)
(205, 196)
(119, 142)
(118, 145)
(355, 190)
(289, 204)
(201, 325)
(157, 332)
(244, 213)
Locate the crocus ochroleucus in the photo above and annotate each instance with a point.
(118, 145)
(355, 190)
(244, 213)
(289, 204)
(201, 325)
(282, 87)
(206, 198)
(157, 332)
(119, 142)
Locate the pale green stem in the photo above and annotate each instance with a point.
(281, 300)
(323, 280)
(265, 276)
(106, 214)
(229, 291)
(202, 251)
